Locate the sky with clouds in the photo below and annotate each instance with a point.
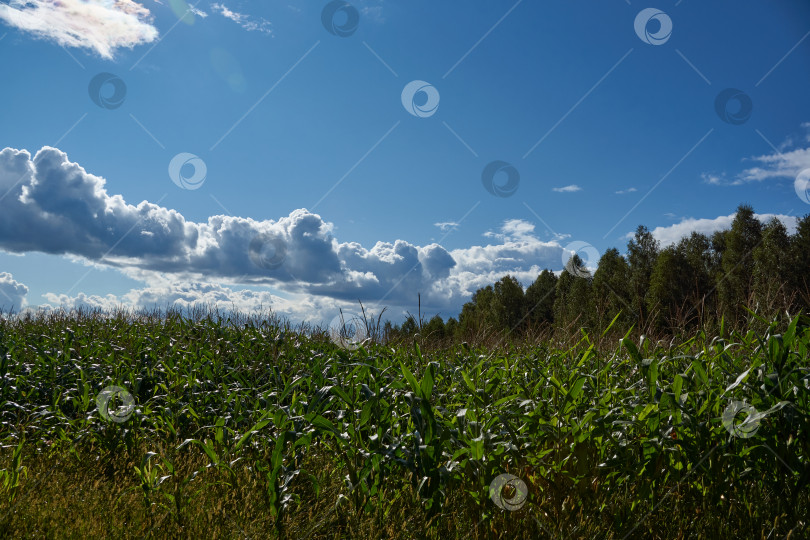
(298, 157)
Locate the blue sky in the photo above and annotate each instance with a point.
(302, 139)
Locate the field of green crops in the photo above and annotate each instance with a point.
(248, 428)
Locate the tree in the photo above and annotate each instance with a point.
(800, 259)
(701, 264)
(508, 304)
(389, 331)
(611, 291)
(409, 327)
(572, 302)
(642, 251)
(476, 315)
(434, 329)
(669, 284)
(773, 270)
(451, 328)
(539, 299)
(698, 280)
(735, 284)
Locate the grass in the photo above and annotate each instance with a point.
(247, 427)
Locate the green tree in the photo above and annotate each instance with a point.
(642, 251)
(773, 270)
(389, 331)
(735, 284)
(476, 315)
(451, 328)
(434, 330)
(702, 263)
(572, 302)
(611, 291)
(508, 306)
(800, 259)
(410, 326)
(540, 299)
(669, 283)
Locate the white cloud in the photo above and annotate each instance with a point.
(245, 21)
(776, 165)
(567, 189)
(188, 295)
(715, 179)
(55, 206)
(12, 293)
(520, 253)
(628, 190)
(780, 164)
(445, 226)
(198, 12)
(673, 233)
(101, 26)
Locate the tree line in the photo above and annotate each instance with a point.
(693, 284)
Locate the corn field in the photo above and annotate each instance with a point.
(165, 426)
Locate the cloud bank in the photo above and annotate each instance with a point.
(54, 206)
(189, 295)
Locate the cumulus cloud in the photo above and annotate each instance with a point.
(12, 293)
(673, 233)
(567, 189)
(245, 21)
(51, 205)
(520, 253)
(628, 190)
(102, 26)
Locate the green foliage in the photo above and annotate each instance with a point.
(435, 329)
(540, 297)
(572, 299)
(667, 295)
(774, 278)
(287, 422)
(736, 284)
(611, 291)
(642, 251)
(698, 283)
